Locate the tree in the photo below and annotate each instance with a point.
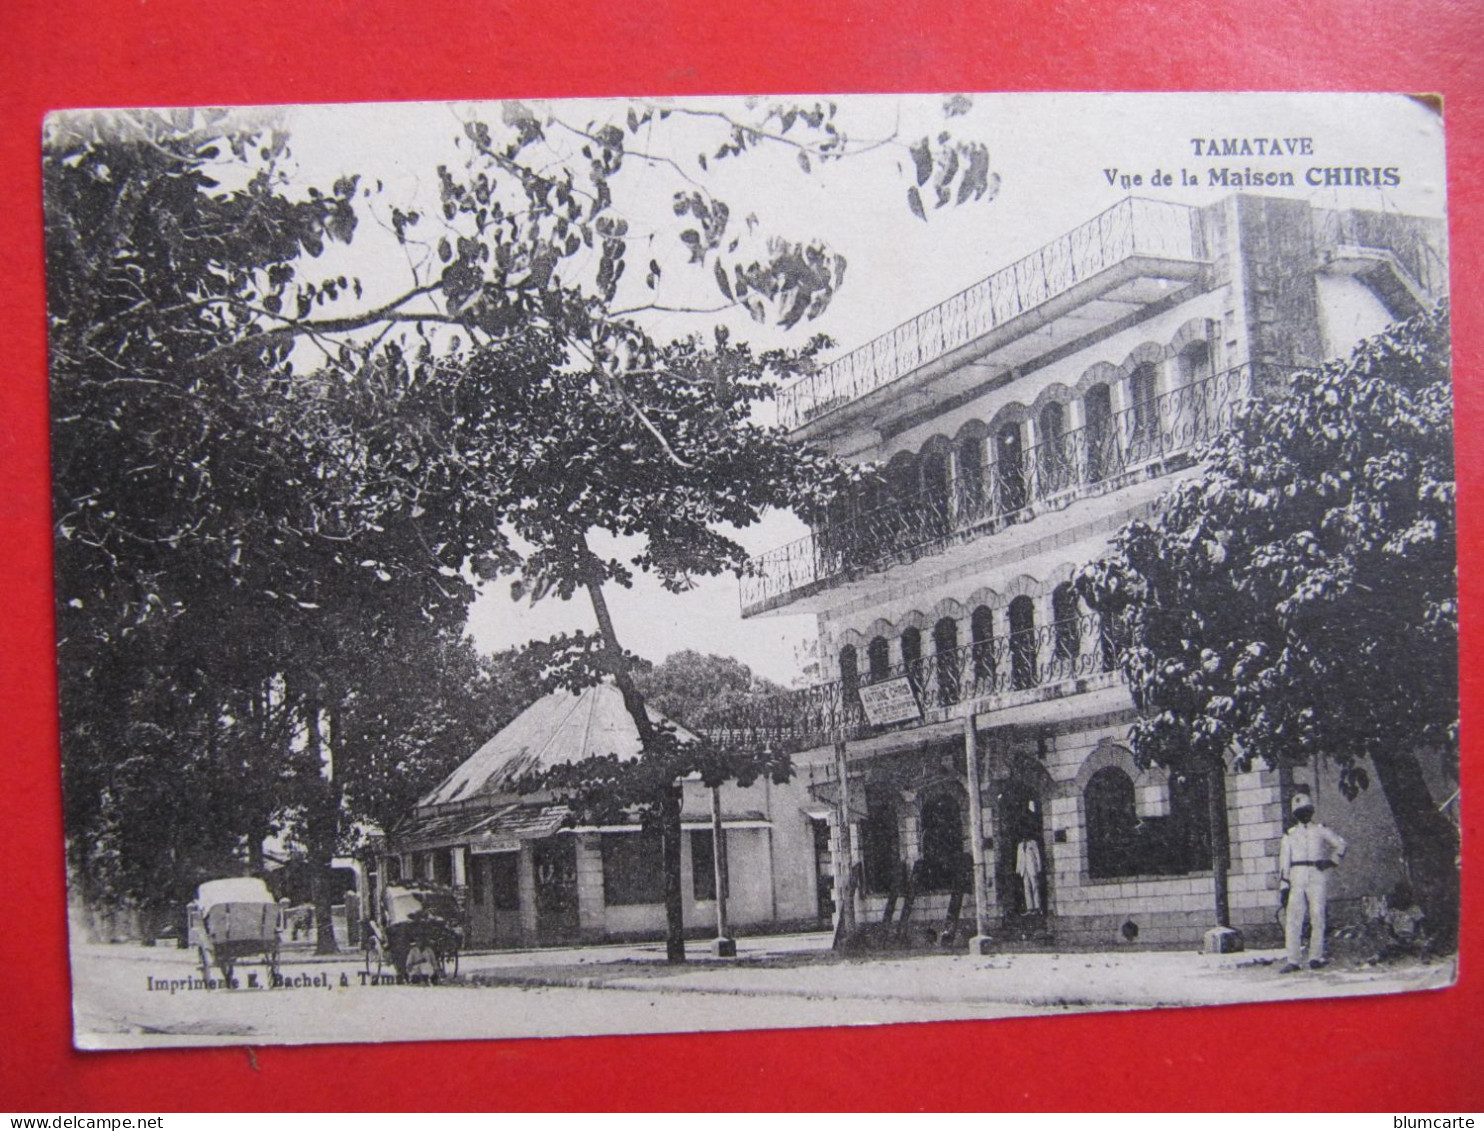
(242, 440)
(313, 517)
(1299, 596)
(582, 462)
(698, 691)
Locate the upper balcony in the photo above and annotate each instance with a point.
(1137, 253)
(1155, 435)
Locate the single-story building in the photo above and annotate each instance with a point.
(530, 876)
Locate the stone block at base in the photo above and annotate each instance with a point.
(981, 944)
(724, 948)
(1223, 940)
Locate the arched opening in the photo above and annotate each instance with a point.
(850, 676)
(1102, 452)
(1174, 842)
(1055, 461)
(1020, 870)
(945, 659)
(1112, 824)
(833, 528)
(981, 631)
(942, 843)
(1197, 392)
(1112, 639)
(934, 503)
(878, 659)
(912, 658)
(881, 842)
(893, 526)
(1022, 643)
(1010, 467)
(1066, 628)
(1144, 401)
(970, 458)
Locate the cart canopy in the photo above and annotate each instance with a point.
(406, 905)
(242, 889)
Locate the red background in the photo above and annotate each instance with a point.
(1410, 1053)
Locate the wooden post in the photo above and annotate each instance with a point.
(725, 946)
(980, 943)
(844, 889)
(526, 885)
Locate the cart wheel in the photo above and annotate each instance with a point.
(205, 965)
(226, 968)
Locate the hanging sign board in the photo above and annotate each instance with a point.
(890, 701)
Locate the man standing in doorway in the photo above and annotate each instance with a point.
(1308, 852)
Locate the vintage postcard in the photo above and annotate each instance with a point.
(560, 568)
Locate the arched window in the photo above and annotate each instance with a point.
(912, 657)
(1022, 643)
(850, 676)
(1066, 628)
(1119, 843)
(1142, 386)
(1010, 467)
(894, 526)
(881, 844)
(1112, 639)
(945, 659)
(971, 477)
(1112, 825)
(935, 508)
(981, 630)
(833, 528)
(1102, 451)
(1055, 461)
(942, 843)
(878, 659)
(1198, 394)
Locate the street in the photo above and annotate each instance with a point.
(127, 996)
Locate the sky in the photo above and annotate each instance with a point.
(1060, 160)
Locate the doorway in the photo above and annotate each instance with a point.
(1020, 855)
(556, 889)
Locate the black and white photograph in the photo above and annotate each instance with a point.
(561, 568)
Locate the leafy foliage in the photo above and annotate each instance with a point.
(1299, 597)
(700, 691)
(274, 496)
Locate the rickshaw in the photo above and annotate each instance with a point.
(418, 933)
(233, 920)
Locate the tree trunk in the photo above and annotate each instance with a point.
(323, 818)
(1429, 842)
(1220, 840)
(670, 841)
(670, 826)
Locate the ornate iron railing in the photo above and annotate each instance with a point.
(1065, 650)
(985, 498)
(1135, 226)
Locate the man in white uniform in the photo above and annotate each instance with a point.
(1308, 852)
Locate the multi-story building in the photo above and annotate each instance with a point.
(975, 704)
(975, 707)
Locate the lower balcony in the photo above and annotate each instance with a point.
(1059, 657)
